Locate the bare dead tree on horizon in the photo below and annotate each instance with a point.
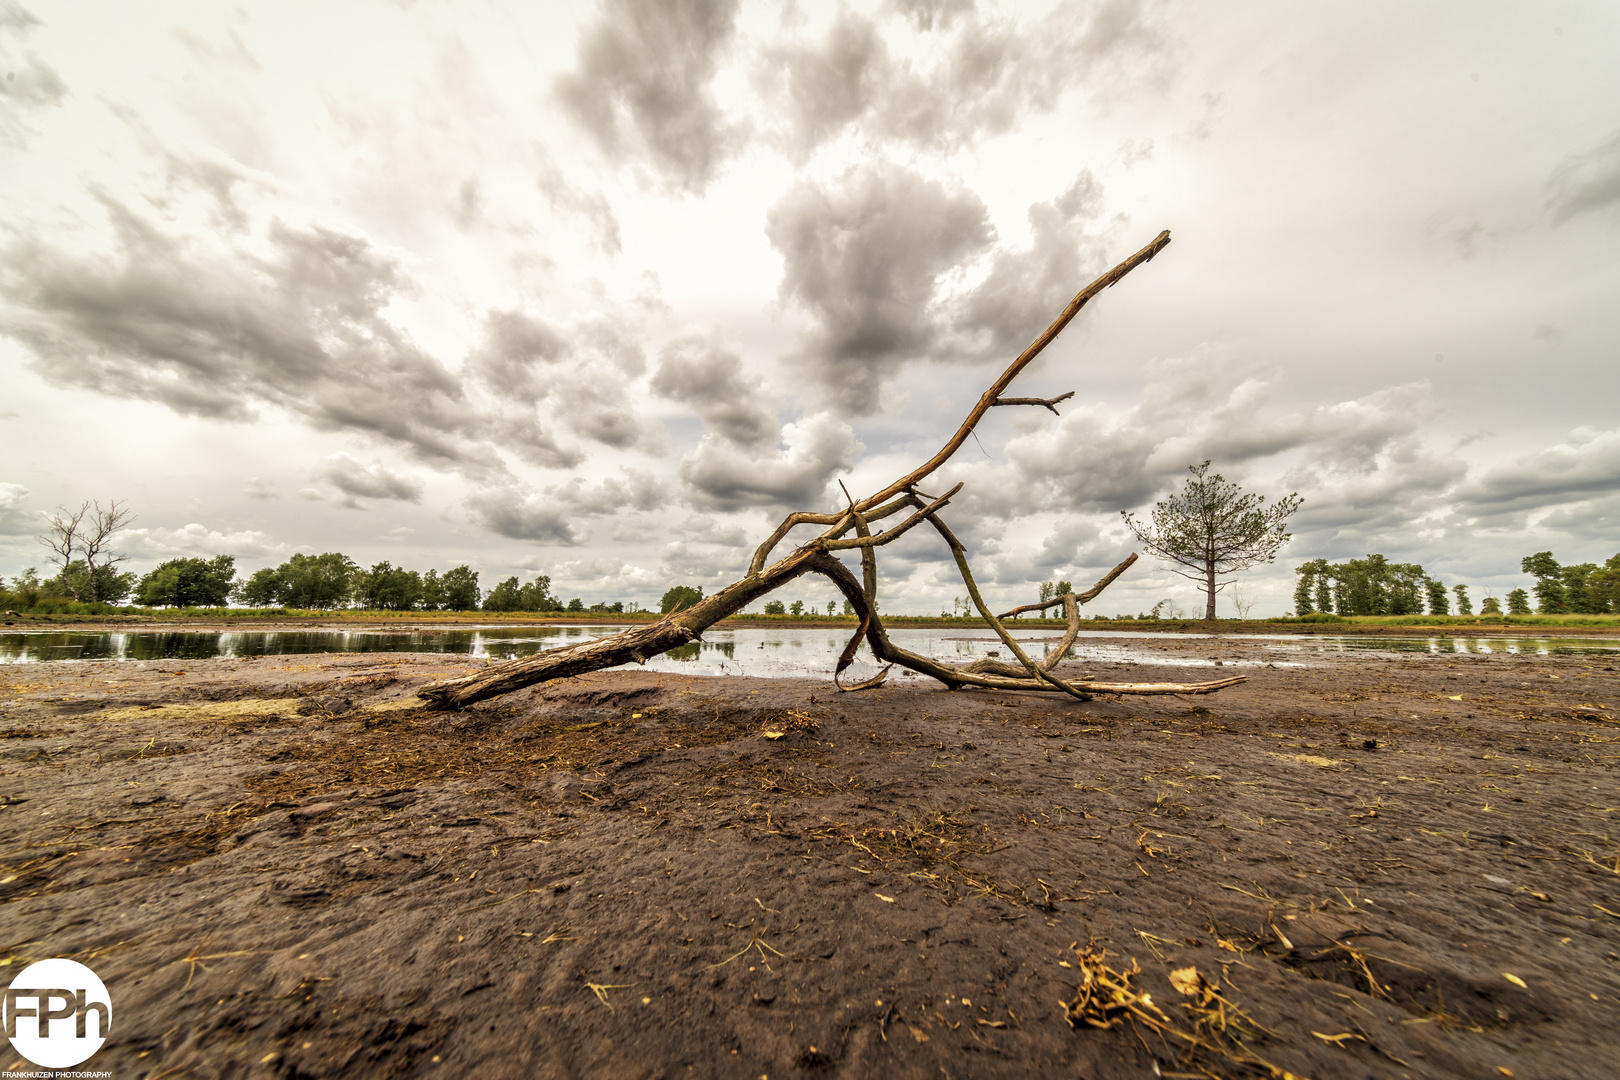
(677, 628)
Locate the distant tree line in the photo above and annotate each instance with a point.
(1376, 586)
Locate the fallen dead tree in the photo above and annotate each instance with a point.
(817, 556)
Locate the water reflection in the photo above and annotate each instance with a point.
(763, 651)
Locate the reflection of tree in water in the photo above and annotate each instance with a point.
(693, 649)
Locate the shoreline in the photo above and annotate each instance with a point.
(412, 620)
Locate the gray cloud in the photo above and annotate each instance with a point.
(925, 14)
(863, 258)
(548, 517)
(590, 207)
(990, 76)
(528, 362)
(635, 490)
(642, 85)
(1585, 467)
(1367, 467)
(356, 480)
(720, 475)
(699, 372)
(15, 520)
(517, 351)
(1026, 289)
(254, 488)
(700, 529)
(519, 515)
(214, 334)
(26, 82)
(1587, 182)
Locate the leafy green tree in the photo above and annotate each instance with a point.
(1604, 586)
(576, 604)
(1518, 602)
(775, 607)
(459, 589)
(796, 608)
(1214, 530)
(504, 597)
(432, 593)
(1549, 586)
(1439, 601)
(88, 585)
(261, 589)
(386, 587)
(678, 598)
(536, 596)
(26, 589)
(1578, 597)
(1464, 605)
(849, 609)
(1313, 583)
(1376, 586)
(303, 581)
(1490, 606)
(188, 583)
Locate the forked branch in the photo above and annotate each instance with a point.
(638, 644)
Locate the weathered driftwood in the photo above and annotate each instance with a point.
(640, 643)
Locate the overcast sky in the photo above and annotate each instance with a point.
(603, 290)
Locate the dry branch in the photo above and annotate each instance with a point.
(1045, 403)
(640, 643)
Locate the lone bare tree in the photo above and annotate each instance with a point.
(1215, 530)
(817, 556)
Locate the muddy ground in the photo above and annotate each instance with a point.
(1376, 866)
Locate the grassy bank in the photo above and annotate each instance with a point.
(60, 612)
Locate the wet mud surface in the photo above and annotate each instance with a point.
(1375, 866)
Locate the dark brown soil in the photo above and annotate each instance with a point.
(1380, 866)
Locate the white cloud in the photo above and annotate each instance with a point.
(196, 540)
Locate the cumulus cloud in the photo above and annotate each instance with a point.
(701, 529)
(634, 490)
(1586, 182)
(864, 257)
(576, 371)
(990, 74)
(548, 517)
(14, 517)
(720, 475)
(215, 333)
(356, 480)
(522, 515)
(1026, 288)
(642, 85)
(197, 540)
(699, 372)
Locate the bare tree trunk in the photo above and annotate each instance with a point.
(640, 643)
(63, 537)
(95, 538)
